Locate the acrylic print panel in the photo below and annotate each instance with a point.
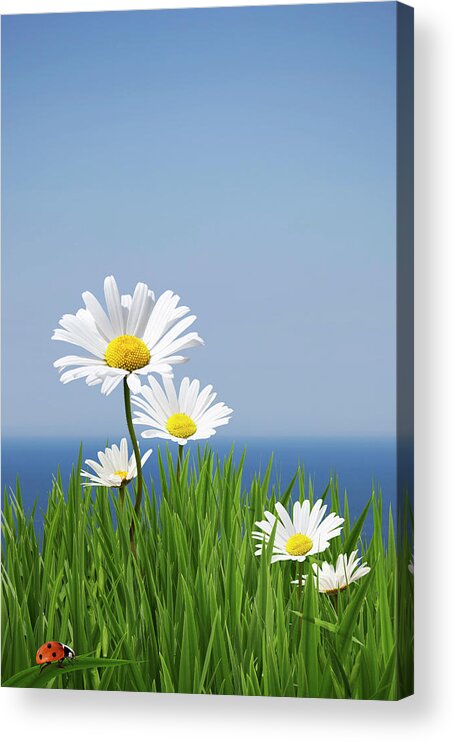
(207, 344)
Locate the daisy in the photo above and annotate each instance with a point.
(308, 532)
(136, 336)
(114, 469)
(190, 415)
(329, 579)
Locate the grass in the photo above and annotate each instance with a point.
(197, 612)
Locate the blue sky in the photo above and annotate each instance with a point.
(244, 158)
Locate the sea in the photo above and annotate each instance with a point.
(358, 464)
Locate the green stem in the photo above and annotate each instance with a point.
(179, 461)
(137, 456)
(121, 496)
(300, 598)
(335, 602)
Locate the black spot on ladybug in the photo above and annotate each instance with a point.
(54, 654)
(41, 656)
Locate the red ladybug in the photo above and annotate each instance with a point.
(53, 652)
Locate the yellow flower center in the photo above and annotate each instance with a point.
(122, 474)
(181, 425)
(298, 544)
(128, 352)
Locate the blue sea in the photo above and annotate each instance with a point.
(357, 462)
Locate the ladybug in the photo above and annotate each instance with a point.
(53, 652)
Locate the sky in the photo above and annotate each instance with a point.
(242, 157)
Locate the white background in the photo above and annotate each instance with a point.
(429, 714)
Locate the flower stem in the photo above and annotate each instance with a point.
(179, 461)
(137, 456)
(300, 598)
(121, 496)
(335, 602)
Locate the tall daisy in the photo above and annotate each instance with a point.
(307, 532)
(136, 336)
(330, 579)
(188, 415)
(114, 468)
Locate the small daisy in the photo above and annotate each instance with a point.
(188, 416)
(136, 336)
(308, 532)
(329, 579)
(114, 469)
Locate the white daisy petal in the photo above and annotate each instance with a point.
(183, 391)
(285, 518)
(190, 340)
(163, 316)
(114, 305)
(79, 373)
(81, 329)
(138, 309)
(156, 434)
(173, 404)
(99, 315)
(134, 383)
(204, 401)
(111, 382)
(192, 397)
